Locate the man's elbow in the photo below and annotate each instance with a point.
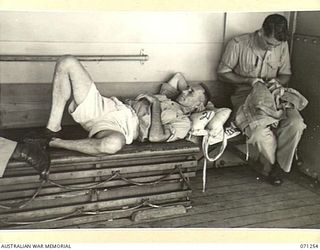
(221, 76)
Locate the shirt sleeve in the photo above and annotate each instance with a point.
(169, 91)
(285, 67)
(179, 128)
(230, 57)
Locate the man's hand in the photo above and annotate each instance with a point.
(273, 84)
(253, 81)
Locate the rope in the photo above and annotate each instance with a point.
(205, 148)
(147, 183)
(204, 175)
(114, 175)
(25, 203)
(80, 211)
(91, 186)
(183, 177)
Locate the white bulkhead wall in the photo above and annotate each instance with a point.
(188, 42)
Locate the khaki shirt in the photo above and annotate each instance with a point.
(242, 57)
(172, 116)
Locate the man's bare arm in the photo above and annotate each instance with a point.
(231, 77)
(157, 132)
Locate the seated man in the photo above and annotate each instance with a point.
(111, 123)
(263, 57)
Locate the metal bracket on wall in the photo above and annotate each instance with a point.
(144, 55)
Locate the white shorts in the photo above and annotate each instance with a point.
(97, 113)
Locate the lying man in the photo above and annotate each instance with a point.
(111, 123)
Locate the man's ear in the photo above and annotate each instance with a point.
(260, 32)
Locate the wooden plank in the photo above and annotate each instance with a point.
(87, 196)
(133, 151)
(26, 193)
(55, 168)
(91, 220)
(157, 213)
(94, 206)
(32, 117)
(302, 221)
(99, 172)
(79, 181)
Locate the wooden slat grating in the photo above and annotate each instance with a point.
(236, 198)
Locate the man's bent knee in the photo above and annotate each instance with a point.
(67, 61)
(112, 143)
(297, 124)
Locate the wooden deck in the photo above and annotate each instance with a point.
(236, 198)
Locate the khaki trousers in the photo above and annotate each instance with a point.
(279, 144)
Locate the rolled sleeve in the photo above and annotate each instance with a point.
(230, 57)
(169, 91)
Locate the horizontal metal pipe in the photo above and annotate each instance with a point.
(53, 58)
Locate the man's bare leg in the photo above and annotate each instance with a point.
(110, 143)
(70, 78)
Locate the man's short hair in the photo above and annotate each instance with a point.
(276, 25)
(206, 93)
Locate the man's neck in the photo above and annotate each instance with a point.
(258, 44)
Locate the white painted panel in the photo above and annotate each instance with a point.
(196, 61)
(175, 41)
(114, 27)
(240, 23)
